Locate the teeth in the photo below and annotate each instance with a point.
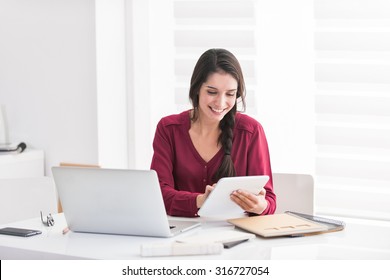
(217, 110)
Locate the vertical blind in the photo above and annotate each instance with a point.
(352, 105)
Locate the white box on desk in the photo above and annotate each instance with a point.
(29, 163)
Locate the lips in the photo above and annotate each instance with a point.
(219, 111)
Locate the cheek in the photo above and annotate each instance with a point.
(232, 102)
(203, 98)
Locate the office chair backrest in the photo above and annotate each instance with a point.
(294, 192)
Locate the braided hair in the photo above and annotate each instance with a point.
(212, 61)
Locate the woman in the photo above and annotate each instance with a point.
(195, 148)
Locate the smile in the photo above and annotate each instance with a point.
(217, 110)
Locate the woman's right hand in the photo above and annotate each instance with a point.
(200, 199)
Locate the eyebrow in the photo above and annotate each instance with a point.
(211, 87)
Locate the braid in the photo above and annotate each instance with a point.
(226, 125)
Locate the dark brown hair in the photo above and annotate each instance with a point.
(212, 61)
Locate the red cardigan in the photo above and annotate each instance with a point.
(183, 174)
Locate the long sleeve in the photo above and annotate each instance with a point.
(259, 163)
(179, 196)
(253, 151)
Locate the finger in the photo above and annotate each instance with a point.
(239, 201)
(208, 190)
(244, 200)
(247, 197)
(263, 192)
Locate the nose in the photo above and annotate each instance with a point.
(220, 100)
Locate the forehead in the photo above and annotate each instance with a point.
(221, 81)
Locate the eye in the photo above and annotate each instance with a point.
(212, 92)
(231, 94)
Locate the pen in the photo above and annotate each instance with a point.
(228, 245)
(65, 230)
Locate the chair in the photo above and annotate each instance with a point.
(294, 192)
(24, 198)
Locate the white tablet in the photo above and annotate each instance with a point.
(219, 204)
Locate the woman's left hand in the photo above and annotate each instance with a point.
(250, 202)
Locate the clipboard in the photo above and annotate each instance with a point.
(285, 224)
(333, 225)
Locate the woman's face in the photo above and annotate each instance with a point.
(217, 96)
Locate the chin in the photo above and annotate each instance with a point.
(218, 116)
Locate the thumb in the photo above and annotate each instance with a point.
(262, 192)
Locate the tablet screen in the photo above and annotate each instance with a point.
(218, 204)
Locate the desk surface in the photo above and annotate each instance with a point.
(357, 241)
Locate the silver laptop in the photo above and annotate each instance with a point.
(115, 201)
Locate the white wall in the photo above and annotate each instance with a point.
(150, 74)
(111, 83)
(48, 77)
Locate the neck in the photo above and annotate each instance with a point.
(205, 128)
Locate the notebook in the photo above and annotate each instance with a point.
(219, 205)
(279, 225)
(115, 201)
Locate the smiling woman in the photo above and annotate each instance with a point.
(215, 102)
(194, 149)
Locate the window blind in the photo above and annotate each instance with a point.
(352, 105)
(201, 25)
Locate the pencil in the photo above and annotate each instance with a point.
(65, 230)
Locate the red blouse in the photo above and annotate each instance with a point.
(182, 172)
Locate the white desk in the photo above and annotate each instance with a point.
(357, 241)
